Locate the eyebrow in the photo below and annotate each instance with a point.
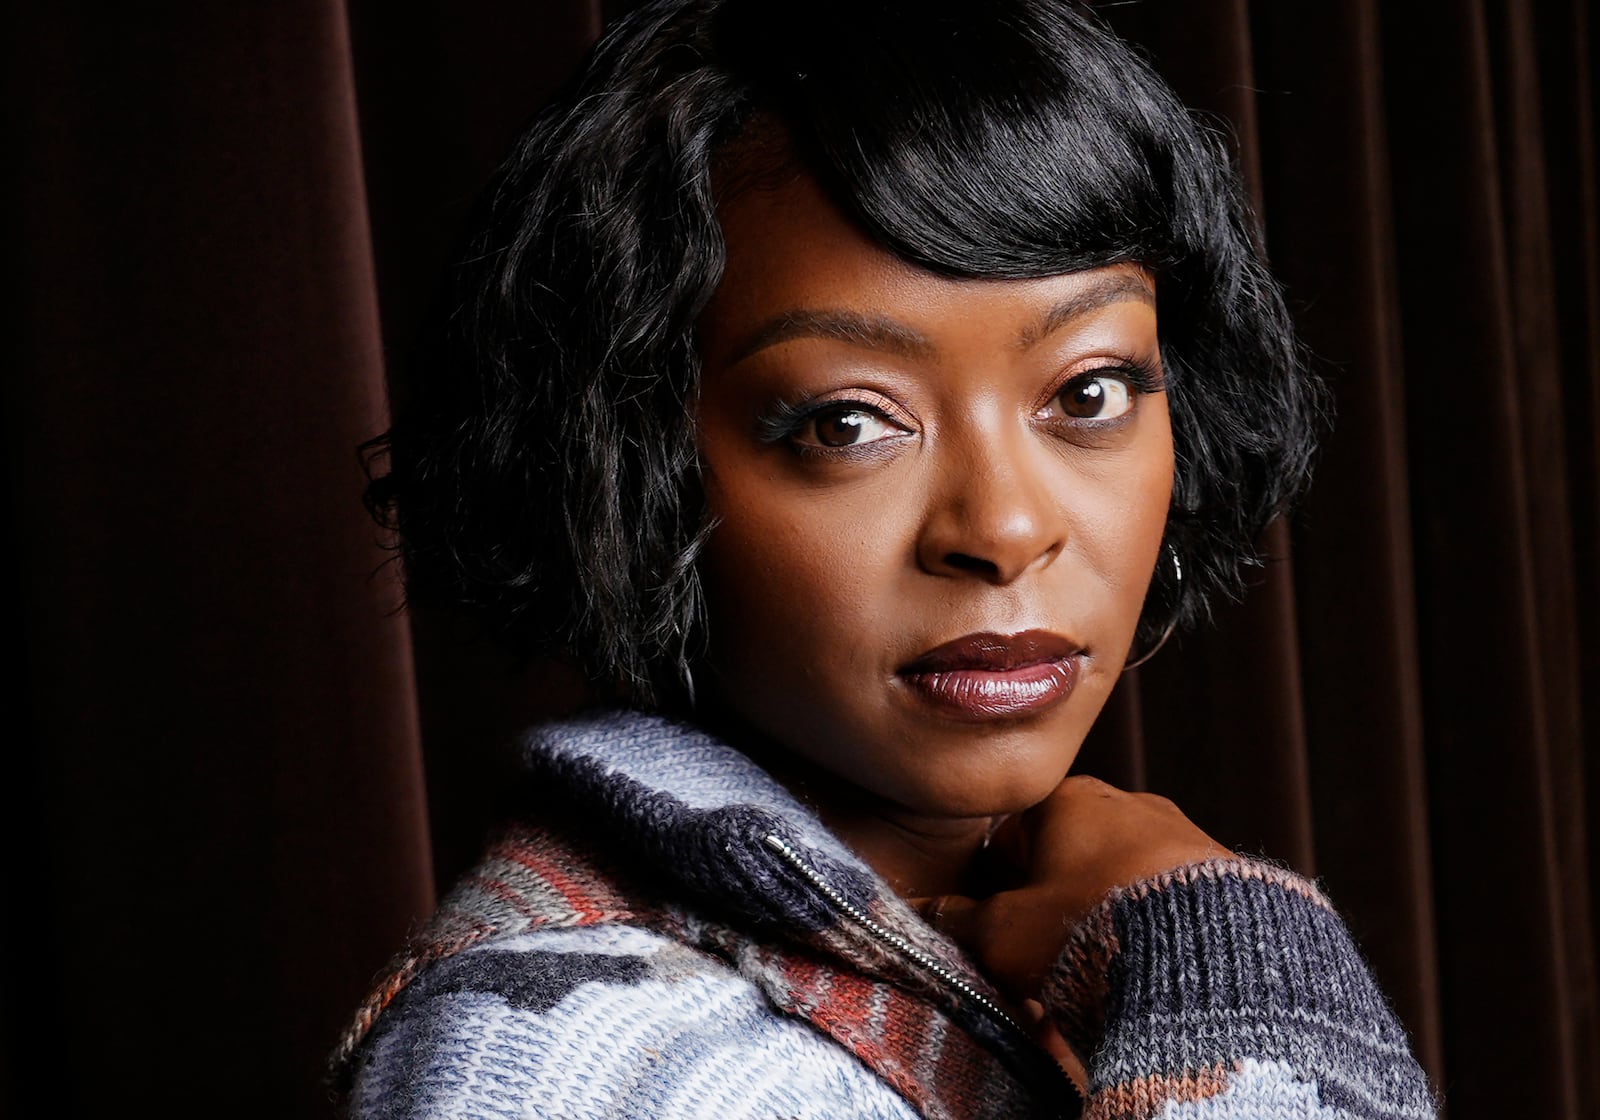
(1115, 288)
(875, 332)
(878, 332)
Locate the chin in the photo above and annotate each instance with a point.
(1005, 769)
(985, 793)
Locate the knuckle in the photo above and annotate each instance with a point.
(1088, 785)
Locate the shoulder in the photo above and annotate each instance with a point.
(608, 1020)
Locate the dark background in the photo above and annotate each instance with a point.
(244, 771)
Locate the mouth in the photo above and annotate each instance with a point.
(987, 676)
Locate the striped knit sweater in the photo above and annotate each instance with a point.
(682, 938)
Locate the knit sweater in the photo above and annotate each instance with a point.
(680, 937)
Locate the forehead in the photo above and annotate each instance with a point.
(796, 263)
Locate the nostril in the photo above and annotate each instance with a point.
(966, 563)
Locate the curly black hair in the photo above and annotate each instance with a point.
(542, 475)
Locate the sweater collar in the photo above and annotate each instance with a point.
(690, 807)
(650, 803)
(662, 802)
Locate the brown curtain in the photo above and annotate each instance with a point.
(243, 773)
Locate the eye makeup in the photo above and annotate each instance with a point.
(1137, 376)
(787, 420)
(1142, 375)
(784, 419)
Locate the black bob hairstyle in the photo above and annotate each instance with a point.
(542, 474)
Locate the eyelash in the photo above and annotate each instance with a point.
(1141, 375)
(787, 419)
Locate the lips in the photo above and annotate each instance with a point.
(990, 676)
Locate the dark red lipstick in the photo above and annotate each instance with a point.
(990, 676)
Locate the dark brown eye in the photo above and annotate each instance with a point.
(846, 426)
(1095, 397)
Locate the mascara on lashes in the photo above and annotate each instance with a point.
(784, 419)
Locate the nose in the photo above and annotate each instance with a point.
(992, 514)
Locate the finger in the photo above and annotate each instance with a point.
(1011, 843)
(953, 915)
(1066, 1057)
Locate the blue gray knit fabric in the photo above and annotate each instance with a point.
(658, 953)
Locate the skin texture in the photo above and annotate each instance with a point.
(975, 504)
(968, 494)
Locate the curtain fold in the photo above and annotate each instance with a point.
(247, 773)
(229, 828)
(1495, 573)
(1331, 230)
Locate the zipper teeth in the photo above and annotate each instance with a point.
(893, 940)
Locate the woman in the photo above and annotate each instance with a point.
(850, 391)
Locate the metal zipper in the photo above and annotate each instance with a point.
(894, 940)
(900, 945)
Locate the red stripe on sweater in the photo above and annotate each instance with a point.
(505, 892)
(580, 887)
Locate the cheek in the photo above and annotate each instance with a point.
(793, 585)
(1121, 517)
(1120, 532)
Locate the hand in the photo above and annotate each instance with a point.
(1067, 853)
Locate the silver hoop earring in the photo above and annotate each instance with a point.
(1177, 572)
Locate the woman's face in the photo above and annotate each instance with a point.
(938, 505)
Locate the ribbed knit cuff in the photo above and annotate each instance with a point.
(1188, 974)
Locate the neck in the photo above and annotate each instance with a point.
(918, 855)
